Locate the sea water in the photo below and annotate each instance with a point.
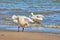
(24, 7)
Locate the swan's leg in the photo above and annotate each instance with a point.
(22, 29)
(38, 22)
(18, 28)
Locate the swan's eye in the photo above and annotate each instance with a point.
(38, 17)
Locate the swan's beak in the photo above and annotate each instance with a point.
(42, 16)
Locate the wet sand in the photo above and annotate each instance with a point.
(13, 35)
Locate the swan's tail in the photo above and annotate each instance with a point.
(14, 16)
(32, 14)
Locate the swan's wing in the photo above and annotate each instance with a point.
(28, 18)
(35, 17)
(15, 21)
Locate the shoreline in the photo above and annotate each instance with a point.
(27, 31)
(10, 35)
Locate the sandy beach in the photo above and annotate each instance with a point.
(13, 35)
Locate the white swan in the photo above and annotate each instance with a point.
(22, 21)
(36, 18)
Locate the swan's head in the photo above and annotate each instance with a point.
(32, 14)
(40, 16)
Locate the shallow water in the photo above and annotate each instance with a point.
(49, 19)
(50, 11)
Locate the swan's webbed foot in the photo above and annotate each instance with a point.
(22, 29)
